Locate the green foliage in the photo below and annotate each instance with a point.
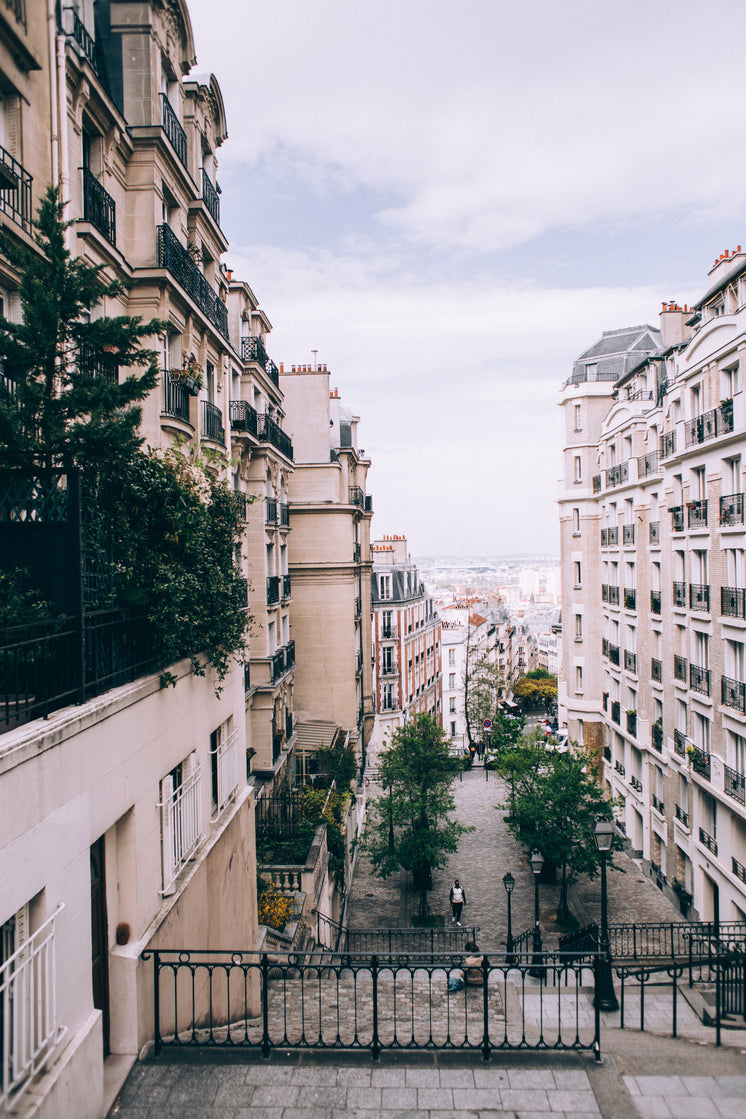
(536, 690)
(20, 602)
(409, 824)
(176, 528)
(505, 736)
(337, 764)
(60, 415)
(483, 688)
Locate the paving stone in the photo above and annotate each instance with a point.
(732, 1085)
(524, 1099)
(532, 1078)
(574, 1101)
(404, 1098)
(654, 1107)
(274, 1095)
(685, 1107)
(438, 1099)
(460, 1077)
(730, 1108)
(363, 1098)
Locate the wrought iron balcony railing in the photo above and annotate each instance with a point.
(211, 196)
(596, 483)
(620, 769)
(679, 743)
(270, 511)
(677, 518)
(613, 536)
(733, 602)
(172, 127)
(99, 207)
(628, 534)
(656, 737)
(175, 399)
(15, 191)
(699, 597)
(252, 349)
(679, 668)
(616, 713)
(356, 496)
(616, 475)
(212, 422)
(658, 805)
(655, 602)
(96, 363)
(83, 38)
(734, 784)
(731, 509)
(271, 432)
(614, 654)
(632, 723)
(719, 421)
(654, 532)
(696, 514)
(667, 444)
(607, 753)
(656, 670)
(283, 510)
(699, 679)
(733, 694)
(630, 598)
(613, 596)
(682, 816)
(709, 841)
(18, 8)
(630, 661)
(244, 418)
(738, 869)
(636, 783)
(174, 257)
(273, 590)
(701, 762)
(679, 594)
(648, 464)
(286, 591)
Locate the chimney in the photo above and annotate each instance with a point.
(673, 328)
(725, 262)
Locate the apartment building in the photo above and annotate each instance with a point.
(654, 624)
(406, 637)
(329, 560)
(453, 659)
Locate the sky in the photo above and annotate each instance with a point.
(447, 203)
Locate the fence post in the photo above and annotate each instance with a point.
(596, 1004)
(265, 1005)
(157, 1002)
(718, 997)
(486, 1010)
(375, 1046)
(675, 972)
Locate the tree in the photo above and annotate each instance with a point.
(409, 824)
(557, 801)
(504, 737)
(536, 688)
(57, 406)
(483, 688)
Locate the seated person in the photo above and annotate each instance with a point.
(473, 964)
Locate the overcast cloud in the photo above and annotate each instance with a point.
(450, 202)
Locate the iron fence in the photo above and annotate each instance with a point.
(409, 942)
(250, 1000)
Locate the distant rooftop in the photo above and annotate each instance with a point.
(615, 354)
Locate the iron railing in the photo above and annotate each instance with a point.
(83, 38)
(15, 191)
(734, 784)
(718, 421)
(696, 514)
(679, 668)
(654, 532)
(417, 943)
(616, 475)
(286, 591)
(682, 816)
(655, 602)
(667, 444)
(656, 670)
(733, 602)
(699, 679)
(225, 770)
(672, 940)
(701, 761)
(628, 534)
(252, 1000)
(731, 509)
(677, 518)
(211, 196)
(270, 511)
(284, 513)
(96, 363)
(174, 257)
(658, 805)
(630, 598)
(596, 482)
(212, 423)
(613, 593)
(656, 737)
(699, 597)
(99, 207)
(648, 464)
(636, 783)
(708, 841)
(632, 723)
(175, 399)
(273, 590)
(679, 594)
(630, 661)
(616, 716)
(271, 432)
(613, 653)
(172, 127)
(244, 417)
(252, 349)
(18, 8)
(679, 743)
(733, 694)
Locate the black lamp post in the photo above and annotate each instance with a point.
(605, 997)
(509, 883)
(536, 969)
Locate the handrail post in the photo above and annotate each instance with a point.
(597, 1005)
(157, 1003)
(486, 1010)
(375, 1044)
(265, 1005)
(718, 999)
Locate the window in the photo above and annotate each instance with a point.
(576, 522)
(730, 382)
(384, 586)
(732, 475)
(577, 574)
(578, 417)
(453, 730)
(578, 627)
(578, 678)
(181, 818)
(581, 732)
(699, 489)
(451, 656)
(577, 469)
(696, 400)
(224, 765)
(452, 707)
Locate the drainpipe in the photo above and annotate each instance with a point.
(53, 105)
(64, 181)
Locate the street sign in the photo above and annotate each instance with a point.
(487, 724)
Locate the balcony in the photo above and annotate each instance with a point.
(733, 694)
(211, 197)
(630, 661)
(99, 207)
(632, 723)
(97, 363)
(252, 349)
(286, 588)
(604, 647)
(679, 743)
(83, 38)
(273, 590)
(630, 598)
(596, 481)
(18, 8)
(172, 127)
(667, 444)
(389, 666)
(654, 532)
(719, 421)
(616, 715)
(682, 816)
(225, 768)
(656, 737)
(389, 633)
(358, 607)
(648, 464)
(658, 805)
(656, 670)
(636, 783)
(244, 418)
(212, 423)
(28, 1010)
(270, 511)
(284, 512)
(356, 496)
(620, 769)
(181, 825)
(617, 475)
(15, 191)
(734, 784)
(174, 257)
(247, 677)
(679, 668)
(655, 602)
(699, 679)
(700, 762)
(679, 595)
(677, 518)
(271, 432)
(738, 869)
(613, 653)
(699, 597)
(628, 535)
(607, 753)
(733, 602)
(282, 661)
(708, 841)
(696, 514)
(613, 596)
(731, 510)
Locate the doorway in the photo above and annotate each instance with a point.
(100, 939)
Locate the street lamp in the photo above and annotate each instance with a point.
(509, 883)
(605, 997)
(536, 969)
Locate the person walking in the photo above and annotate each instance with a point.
(458, 901)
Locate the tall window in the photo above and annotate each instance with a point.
(576, 522)
(578, 469)
(578, 627)
(577, 574)
(384, 586)
(578, 417)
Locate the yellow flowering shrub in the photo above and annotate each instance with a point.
(275, 909)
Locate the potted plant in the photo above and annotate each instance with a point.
(190, 375)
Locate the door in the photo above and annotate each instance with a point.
(99, 939)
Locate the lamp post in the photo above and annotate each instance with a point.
(509, 883)
(605, 997)
(536, 969)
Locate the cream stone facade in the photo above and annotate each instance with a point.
(406, 638)
(654, 624)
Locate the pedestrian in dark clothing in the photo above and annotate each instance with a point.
(458, 901)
